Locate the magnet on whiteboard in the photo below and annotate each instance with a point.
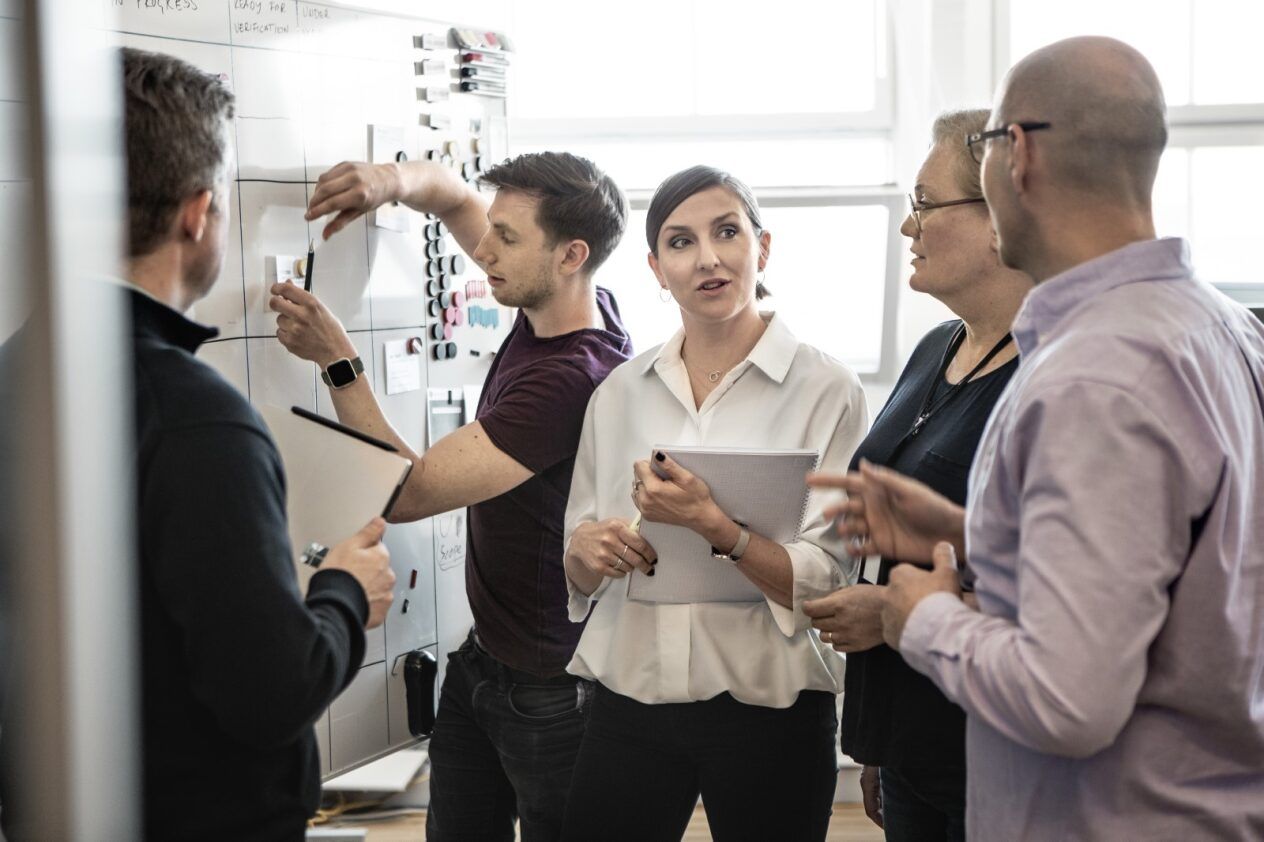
(436, 331)
(435, 248)
(445, 300)
(436, 230)
(435, 308)
(456, 264)
(430, 41)
(445, 282)
(440, 351)
(435, 267)
(415, 345)
(452, 316)
(451, 349)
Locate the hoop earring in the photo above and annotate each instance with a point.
(664, 294)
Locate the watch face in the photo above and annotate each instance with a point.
(341, 373)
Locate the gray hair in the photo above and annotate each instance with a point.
(176, 125)
(950, 131)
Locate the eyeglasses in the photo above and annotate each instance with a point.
(976, 142)
(917, 208)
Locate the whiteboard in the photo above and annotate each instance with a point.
(311, 80)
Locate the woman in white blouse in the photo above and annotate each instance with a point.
(728, 700)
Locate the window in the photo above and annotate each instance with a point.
(822, 267)
(1214, 164)
(795, 99)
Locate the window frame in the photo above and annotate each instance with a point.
(876, 123)
(888, 196)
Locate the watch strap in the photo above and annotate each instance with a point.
(734, 555)
(357, 366)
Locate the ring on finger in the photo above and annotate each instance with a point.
(637, 485)
(618, 565)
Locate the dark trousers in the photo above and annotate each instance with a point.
(504, 746)
(923, 805)
(763, 773)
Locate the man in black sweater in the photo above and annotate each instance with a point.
(236, 665)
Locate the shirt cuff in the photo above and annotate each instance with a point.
(578, 604)
(927, 619)
(337, 585)
(814, 575)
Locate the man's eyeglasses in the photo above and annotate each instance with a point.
(917, 208)
(976, 142)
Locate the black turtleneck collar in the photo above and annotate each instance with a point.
(152, 318)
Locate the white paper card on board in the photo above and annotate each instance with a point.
(403, 370)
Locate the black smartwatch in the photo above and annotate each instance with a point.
(341, 374)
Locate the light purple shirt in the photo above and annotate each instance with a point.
(1113, 677)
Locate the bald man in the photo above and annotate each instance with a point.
(1113, 672)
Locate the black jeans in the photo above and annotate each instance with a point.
(504, 746)
(763, 773)
(923, 805)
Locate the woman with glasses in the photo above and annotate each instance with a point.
(895, 721)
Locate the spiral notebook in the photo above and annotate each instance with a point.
(765, 489)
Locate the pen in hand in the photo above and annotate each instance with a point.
(311, 261)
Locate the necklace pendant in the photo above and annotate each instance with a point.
(918, 424)
(713, 376)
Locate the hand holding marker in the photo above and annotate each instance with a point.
(307, 270)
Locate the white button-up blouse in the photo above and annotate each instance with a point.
(784, 395)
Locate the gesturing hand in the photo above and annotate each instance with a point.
(351, 190)
(849, 619)
(889, 514)
(611, 549)
(306, 327)
(909, 585)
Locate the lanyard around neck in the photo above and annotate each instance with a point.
(931, 405)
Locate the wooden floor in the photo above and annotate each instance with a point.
(850, 824)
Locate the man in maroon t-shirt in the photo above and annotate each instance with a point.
(510, 718)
